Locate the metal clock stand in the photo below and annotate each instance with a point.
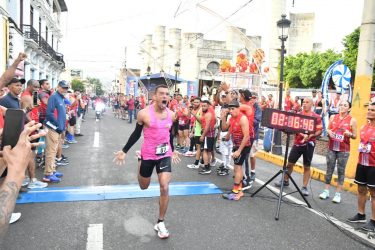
(283, 172)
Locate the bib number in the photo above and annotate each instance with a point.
(364, 148)
(338, 137)
(181, 122)
(162, 149)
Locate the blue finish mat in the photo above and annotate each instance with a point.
(98, 193)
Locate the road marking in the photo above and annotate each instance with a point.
(94, 237)
(96, 140)
(337, 222)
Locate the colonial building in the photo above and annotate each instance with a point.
(198, 58)
(33, 26)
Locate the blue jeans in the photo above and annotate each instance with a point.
(130, 111)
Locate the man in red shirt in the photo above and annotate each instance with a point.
(44, 94)
(288, 102)
(304, 144)
(131, 108)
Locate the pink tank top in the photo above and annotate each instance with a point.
(156, 137)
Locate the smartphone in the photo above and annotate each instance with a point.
(35, 98)
(13, 125)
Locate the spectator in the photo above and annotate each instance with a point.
(56, 126)
(333, 107)
(296, 105)
(80, 111)
(137, 107)
(288, 102)
(131, 107)
(270, 102)
(11, 100)
(43, 95)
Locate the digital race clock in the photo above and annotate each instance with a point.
(288, 122)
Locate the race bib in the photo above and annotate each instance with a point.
(338, 137)
(162, 149)
(181, 122)
(364, 148)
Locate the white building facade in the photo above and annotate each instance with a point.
(33, 27)
(199, 58)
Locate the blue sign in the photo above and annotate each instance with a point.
(192, 88)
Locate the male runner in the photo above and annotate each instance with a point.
(156, 122)
(197, 130)
(239, 131)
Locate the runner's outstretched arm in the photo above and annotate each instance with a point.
(134, 137)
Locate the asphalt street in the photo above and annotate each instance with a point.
(194, 222)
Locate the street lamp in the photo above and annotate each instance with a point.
(283, 28)
(148, 74)
(177, 70)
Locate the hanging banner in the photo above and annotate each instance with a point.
(131, 88)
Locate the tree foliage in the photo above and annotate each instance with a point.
(350, 52)
(78, 85)
(97, 85)
(307, 70)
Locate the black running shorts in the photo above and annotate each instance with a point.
(306, 150)
(162, 165)
(208, 144)
(240, 159)
(365, 175)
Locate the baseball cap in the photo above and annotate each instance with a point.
(15, 80)
(63, 84)
(246, 93)
(234, 104)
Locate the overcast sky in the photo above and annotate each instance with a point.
(95, 32)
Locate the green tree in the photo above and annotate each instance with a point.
(78, 85)
(350, 52)
(307, 70)
(97, 85)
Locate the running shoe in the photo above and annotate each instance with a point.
(72, 141)
(358, 218)
(51, 178)
(192, 166)
(25, 181)
(61, 162)
(370, 226)
(223, 172)
(278, 184)
(14, 217)
(304, 191)
(324, 195)
(189, 154)
(252, 176)
(36, 184)
(65, 146)
(213, 163)
(232, 196)
(58, 174)
(205, 171)
(162, 230)
(337, 198)
(246, 184)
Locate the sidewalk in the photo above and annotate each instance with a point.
(318, 167)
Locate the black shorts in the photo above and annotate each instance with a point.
(306, 150)
(183, 127)
(72, 121)
(365, 175)
(240, 159)
(196, 140)
(208, 144)
(162, 165)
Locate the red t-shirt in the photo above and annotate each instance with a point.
(367, 146)
(298, 138)
(288, 103)
(1, 119)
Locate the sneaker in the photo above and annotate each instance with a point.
(324, 195)
(370, 226)
(304, 191)
(25, 181)
(337, 198)
(162, 230)
(192, 166)
(14, 217)
(252, 176)
(72, 142)
(223, 172)
(64, 146)
(278, 184)
(358, 218)
(246, 184)
(36, 184)
(58, 174)
(213, 163)
(232, 196)
(64, 157)
(189, 154)
(205, 171)
(61, 162)
(51, 178)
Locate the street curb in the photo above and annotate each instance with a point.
(316, 173)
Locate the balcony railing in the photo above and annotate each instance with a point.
(31, 33)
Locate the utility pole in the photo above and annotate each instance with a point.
(363, 79)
